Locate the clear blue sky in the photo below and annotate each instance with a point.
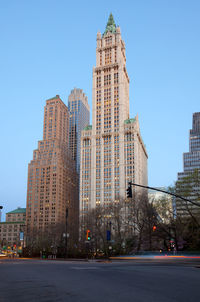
(48, 48)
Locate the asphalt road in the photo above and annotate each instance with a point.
(135, 281)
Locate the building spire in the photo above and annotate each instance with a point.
(111, 26)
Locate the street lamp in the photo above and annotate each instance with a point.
(65, 235)
(1, 207)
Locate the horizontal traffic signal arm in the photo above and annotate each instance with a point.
(172, 194)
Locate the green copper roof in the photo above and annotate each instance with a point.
(89, 127)
(17, 211)
(129, 121)
(55, 97)
(111, 26)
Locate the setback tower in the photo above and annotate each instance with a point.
(52, 192)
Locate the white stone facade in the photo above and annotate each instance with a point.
(112, 150)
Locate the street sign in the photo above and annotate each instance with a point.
(108, 235)
(21, 236)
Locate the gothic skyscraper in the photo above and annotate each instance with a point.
(112, 150)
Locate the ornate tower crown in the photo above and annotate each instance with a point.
(111, 26)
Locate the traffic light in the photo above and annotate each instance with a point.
(154, 228)
(129, 191)
(88, 237)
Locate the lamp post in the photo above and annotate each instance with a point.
(1, 207)
(67, 235)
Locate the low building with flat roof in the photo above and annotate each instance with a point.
(10, 229)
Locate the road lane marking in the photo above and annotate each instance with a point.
(84, 268)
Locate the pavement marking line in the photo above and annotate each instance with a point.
(84, 268)
(165, 257)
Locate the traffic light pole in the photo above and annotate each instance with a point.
(169, 193)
